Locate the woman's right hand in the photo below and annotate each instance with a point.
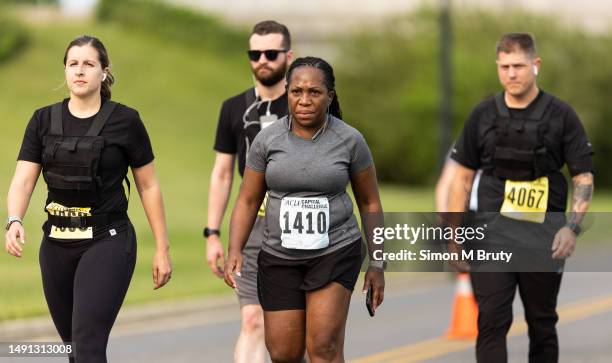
(375, 278)
(15, 238)
(233, 265)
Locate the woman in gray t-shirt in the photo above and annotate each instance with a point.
(311, 255)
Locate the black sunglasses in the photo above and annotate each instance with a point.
(271, 54)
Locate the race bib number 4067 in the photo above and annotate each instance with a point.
(304, 223)
(526, 200)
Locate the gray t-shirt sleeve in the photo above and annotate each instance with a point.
(361, 157)
(256, 158)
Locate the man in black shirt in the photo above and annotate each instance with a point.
(521, 139)
(241, 118)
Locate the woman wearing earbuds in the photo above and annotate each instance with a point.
(84, 146)
(311, 257)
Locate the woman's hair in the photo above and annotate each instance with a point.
(105, 89)
(328, 77)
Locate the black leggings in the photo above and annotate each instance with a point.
(84, 285)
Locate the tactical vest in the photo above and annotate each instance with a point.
(71, 162)
(520, 151)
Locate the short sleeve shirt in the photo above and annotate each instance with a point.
(235, 130)
(321, 167)
(126, 144)
(566, 139)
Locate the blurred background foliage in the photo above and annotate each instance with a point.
(13, 37)
(176, 66)
(388, 83)
(174, 24)
(27, 2)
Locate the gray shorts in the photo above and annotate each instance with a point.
(247, 282)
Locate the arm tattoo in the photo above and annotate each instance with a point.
(583, 193)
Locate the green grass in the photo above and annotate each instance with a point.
(178, 92)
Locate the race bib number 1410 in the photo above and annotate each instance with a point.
(304, 223)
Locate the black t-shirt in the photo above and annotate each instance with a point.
(566, 140)
(126, 143)
(231, 132)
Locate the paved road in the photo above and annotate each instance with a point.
(408, 328)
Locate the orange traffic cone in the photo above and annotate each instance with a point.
(464, 320)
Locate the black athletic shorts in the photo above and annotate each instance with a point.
(282, 284)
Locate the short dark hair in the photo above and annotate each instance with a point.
(511, 42)
(272, 27)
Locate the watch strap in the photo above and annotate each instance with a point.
(209, 232)
(574, 227)
(10, 220)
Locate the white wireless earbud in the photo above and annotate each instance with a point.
(535, 70)
(103, 77)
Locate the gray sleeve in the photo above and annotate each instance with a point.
(361, 157)
(256, 158)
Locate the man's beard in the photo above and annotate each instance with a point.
(273, 77)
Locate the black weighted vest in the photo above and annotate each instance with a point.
(519, 151)
(71, 162)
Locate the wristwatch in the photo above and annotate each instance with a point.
(575, 227)
(10, 220)
(378, 264)
(209, 232)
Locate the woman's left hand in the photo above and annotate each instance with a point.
(162, 269)
(375, 277)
